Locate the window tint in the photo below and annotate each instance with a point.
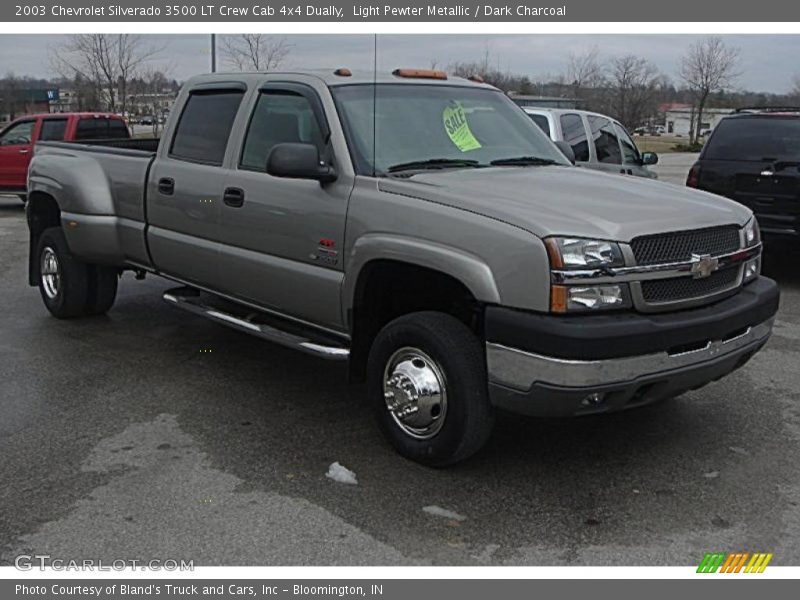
(53, 130)
(101, 128)
(755, 138)
(605, 141)
(575, 135)
(18, 134)
(542, 122)
(630, 153)
(205, 126)
(279, 117)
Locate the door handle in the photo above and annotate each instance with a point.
(23, 151)
(233, 197)
(166, 185)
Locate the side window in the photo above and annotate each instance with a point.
(53, 130)
(630, 153)
(205, 126)
(279, 117)
(542, 122)
(101, 128)
(18, 134)
(575, 135)
(605, 141)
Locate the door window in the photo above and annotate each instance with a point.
(18, 135)
(605, 141)
(101, 128)
(279, 117)
(205, 126)
(575, 135)
(630, 153)
(53, 130)
(542, 122)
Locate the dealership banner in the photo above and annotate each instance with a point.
(388, 589)
(243, 11)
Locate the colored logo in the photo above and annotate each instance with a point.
(734, 562)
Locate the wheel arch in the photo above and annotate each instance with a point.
(42, 212)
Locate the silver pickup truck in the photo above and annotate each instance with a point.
(424, 229)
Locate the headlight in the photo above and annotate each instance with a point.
(580, 253)
(580, 298)
(752, 235)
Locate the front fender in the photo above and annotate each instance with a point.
(469, 269)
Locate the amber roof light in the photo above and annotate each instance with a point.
(476, 78)
(343, 72)
(420, 73)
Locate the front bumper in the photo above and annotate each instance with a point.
(547, 365)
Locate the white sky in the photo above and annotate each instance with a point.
(768, 62)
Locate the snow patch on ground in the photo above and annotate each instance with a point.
(341, 474)
(438, 511)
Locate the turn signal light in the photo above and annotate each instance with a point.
(693, 179)
(558, 299)
(420, 73)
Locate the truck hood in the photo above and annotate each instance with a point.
(555, 200)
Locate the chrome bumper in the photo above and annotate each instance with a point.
(512, 368)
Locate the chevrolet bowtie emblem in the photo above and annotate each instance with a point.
(703, 265)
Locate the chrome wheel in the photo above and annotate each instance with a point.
(415, 393)
(50, 272)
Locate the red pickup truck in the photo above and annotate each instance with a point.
(18, 138)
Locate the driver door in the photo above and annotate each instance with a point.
(16, 145)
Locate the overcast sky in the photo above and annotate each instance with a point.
(768, 62)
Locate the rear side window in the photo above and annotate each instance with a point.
(575, 135)
(205, 126)
(755, 138)
(605, 139)
(279, 117)
(100, 128)
(542, 122)
(53, 130)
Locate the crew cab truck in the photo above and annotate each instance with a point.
(18, 138)
(424, 229)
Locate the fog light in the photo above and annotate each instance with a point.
(594, 399)
(752, 268)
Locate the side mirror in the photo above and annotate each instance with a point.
(649, 158)
(566, 150)
(298, 161)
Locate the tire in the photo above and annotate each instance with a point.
(430, 350)
(66, 294)
(102, 289)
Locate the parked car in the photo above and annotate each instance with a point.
(18, 138)
(442, 245)
(753, 157)
(597, 141)
(146, 120)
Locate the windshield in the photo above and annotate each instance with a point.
(443, 126)
(755, 138)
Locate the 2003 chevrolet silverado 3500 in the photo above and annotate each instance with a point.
(421, 227)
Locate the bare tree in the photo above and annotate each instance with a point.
(109, 62)
(633, 87)
(709, 66)
(255, 51)
(584, 71)
(795, 91)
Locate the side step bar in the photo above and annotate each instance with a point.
(191, 301)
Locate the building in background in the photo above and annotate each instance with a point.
(679, 121)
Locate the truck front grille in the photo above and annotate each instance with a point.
(686, 288)
(680, 245)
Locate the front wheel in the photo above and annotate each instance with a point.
(426, 376)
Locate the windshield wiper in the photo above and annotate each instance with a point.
(522, 161)
(433, 163)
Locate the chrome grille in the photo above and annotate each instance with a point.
(680, 245)
(686, 288)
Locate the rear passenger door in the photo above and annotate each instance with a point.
(186, 183)
(606, 145)
(573, 132)
(281, 238)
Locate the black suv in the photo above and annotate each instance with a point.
(753, 157)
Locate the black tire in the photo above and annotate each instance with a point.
(458, 355)
(69, 297)
(102, 289)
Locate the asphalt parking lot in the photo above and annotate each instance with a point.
(151, 433)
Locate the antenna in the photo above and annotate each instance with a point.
(374, 104)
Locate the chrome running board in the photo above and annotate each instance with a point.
(190, 300)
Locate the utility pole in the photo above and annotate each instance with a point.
(213, 53)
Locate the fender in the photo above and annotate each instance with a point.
(470, 270)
